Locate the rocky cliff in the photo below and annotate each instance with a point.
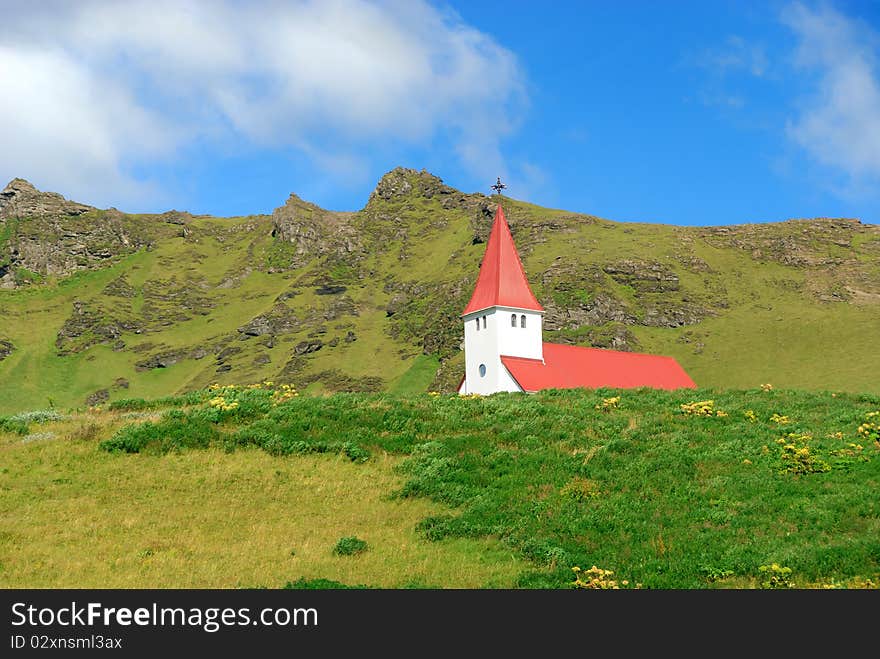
(42, 234)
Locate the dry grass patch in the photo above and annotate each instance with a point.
(75, 517)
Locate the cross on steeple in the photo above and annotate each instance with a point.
(498, 187)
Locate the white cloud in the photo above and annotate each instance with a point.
(101, 87)
(62, 126)
(728, 65)
(737, 55)
(839, 126)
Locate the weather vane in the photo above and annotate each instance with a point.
(498, 187)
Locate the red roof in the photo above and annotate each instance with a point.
(502, 280)
(567, 367)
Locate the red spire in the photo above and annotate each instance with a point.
(502, 280)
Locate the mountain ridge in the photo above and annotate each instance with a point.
(370, 299)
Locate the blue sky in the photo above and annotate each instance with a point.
(681, 112)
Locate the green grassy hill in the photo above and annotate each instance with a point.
(98, 305)
(253, 486)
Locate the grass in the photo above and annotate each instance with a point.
(803, 347)
(73, 516)
(246, 486)
(419, 376)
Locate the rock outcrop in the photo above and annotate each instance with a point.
(48, 235)
(643, 276)
(403, 183)
(89, 325)
(313, 232)
(795, 243)
(20, 199)
(281, 320)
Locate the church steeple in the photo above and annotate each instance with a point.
(503, 317)
(502, 279)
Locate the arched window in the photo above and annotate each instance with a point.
(513, 320)
(478, 323)
(484, 322)
(522, 320)
(482, 370)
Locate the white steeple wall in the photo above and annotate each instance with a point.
(514, 340)
(483, 347)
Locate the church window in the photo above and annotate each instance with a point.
(522, 320)
(482, 370)
(478, 324)
(484, 322)
(513, 320)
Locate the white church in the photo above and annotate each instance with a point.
(504, 346)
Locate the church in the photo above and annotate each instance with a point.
(503, 342)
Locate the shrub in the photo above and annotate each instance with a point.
(132, 404)
(797, 457)
(37, 416)
(174, 432)
(776, 577)
(139, 404)
(349, 545)
(870, 429)
(580, 489)
(608, 404)
(20, 423)
(354, 452)
(279, 439)
(8, 425)
(714, 574)
(701, 408)
(595, 578)
(38, 436)
(319, 584)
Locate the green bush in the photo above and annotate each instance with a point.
(277, 439)
(776, 577)
(176, 431)
(132, 404)
(20, 423)
(349, 545)
(139, 404)
(319, 584)
(7, 424)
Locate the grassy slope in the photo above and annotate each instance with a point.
(766, 323)
(769, 333)
(76, 517)
(448, 491)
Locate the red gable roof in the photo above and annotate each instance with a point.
(567, 367)
(502, 280)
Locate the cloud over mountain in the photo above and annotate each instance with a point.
(95, 89)
(839, 125)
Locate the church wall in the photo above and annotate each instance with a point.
(506, 381)
(481, 347)
(486, 345)
(520, 341)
